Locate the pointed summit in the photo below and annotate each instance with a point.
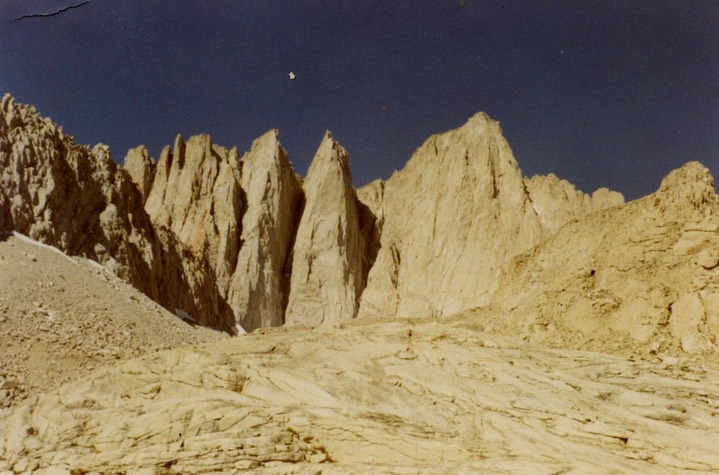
(452, 217)
(332, 155)
(140, 168)
(482, 120)
(327, 270)
(273, 192)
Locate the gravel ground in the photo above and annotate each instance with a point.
(62, 317)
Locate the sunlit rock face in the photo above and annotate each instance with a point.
(141, 169)
(79, 200)
(240, 243)
(557, 201)
(644, 271)
(585, 335)
(454, 216)
(259, 288)
(327, 270)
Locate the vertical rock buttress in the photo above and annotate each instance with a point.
(329, 252)
(259, 287)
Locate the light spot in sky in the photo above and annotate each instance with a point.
(642, 96)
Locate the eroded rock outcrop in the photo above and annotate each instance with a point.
(645, 271)
(196, 195)
(74, 198)
(141, 169)
(259, 288)
(557, 201)
(80, 201)
(329, 254)
(449, 220)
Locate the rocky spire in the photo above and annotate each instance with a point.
(197, 196)
(327, 270)
(209, 234)
(260, 284)
(455, 213)
(140, 168)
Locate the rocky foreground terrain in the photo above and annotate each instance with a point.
(403, 397)
(455, 318)
(61, 317)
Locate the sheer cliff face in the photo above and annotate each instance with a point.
(80, 201)
(327, 270)
(260, 283)
(239, 243)
(453, 217)
(236, 216)
(195, 195)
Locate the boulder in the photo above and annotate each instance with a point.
(686, 321)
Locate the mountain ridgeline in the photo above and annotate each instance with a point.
(239, 241)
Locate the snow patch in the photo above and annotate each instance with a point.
(539, 215)
(186, 317)
(534, 207)
(97, 264)
(239, 330)
(30, 240)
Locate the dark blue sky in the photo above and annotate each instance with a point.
(603, 93)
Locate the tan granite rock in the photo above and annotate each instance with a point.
(407, 396)
(79, 200)
(638, 271)
(449, 219)
(197, 196)
(259, 288)
(557, 201)
(539, 271)
(141, 169)
(329, 251)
